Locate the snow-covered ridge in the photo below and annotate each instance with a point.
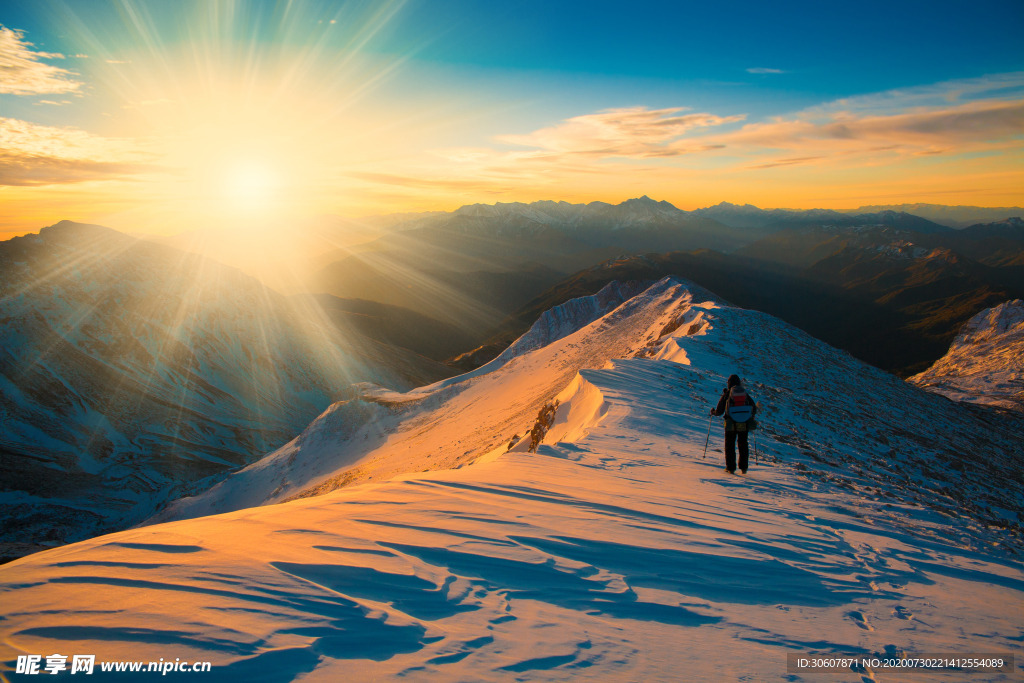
(359, 439)
(1003, 321)
(564, 319)
(985, 363)
(554, 324)
(876, 519)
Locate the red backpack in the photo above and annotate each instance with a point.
(739, 407)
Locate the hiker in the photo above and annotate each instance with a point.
(739, 408)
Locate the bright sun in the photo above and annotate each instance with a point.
(250, 182)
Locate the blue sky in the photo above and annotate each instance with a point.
(418, 100)
(825, 50)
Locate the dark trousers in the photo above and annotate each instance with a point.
(730, 450)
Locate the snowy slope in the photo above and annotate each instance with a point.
(613, 552)
(130, 371)
(985, 363)
(399, 429)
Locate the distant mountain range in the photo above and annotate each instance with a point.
(951, 216)
(476, 265)
(283, 256)
(749, 215)
(776, 219)
(131, 371)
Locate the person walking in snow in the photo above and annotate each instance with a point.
(739, 408)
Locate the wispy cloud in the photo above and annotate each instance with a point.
(764, 70)
(787, 162)
(616, 147)
(25, 171)
(635, 132)
(420, 183)
(958, 128)
(31, 155)
(1008, 86)
(21, 72)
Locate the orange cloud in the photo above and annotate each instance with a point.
(27, 170)
(614, 151)
(934, 131)
(635, 132)
(47, 155)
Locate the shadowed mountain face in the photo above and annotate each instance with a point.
(464, 267)
(951, 216)
(468, 300)
(992, 244)
(474, 266)
(778, 219)
(129, 371)
(553, 233)
(393, 325)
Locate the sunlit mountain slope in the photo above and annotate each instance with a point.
(985, 363)
(611, 552)
(130, 370)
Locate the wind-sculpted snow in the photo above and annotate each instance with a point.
(876, 518)
(130, 372)
(985, 363)
(334, 441)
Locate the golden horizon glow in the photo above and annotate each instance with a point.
(222, 130)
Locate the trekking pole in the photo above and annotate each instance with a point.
(708, 440)
(756, 459)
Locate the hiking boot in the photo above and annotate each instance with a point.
(743, 471)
